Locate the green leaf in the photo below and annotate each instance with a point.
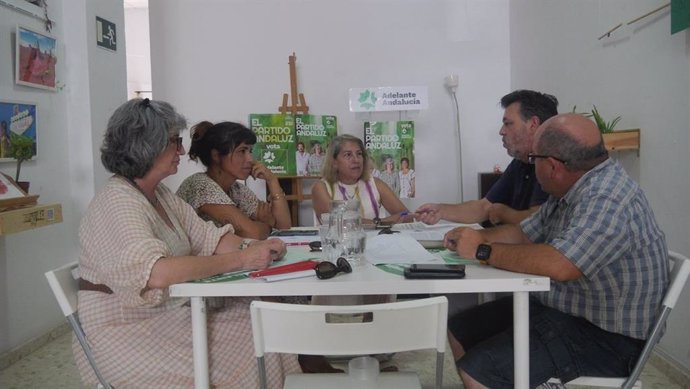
(21, 149)
(602, 124)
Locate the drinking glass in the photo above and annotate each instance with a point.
(332, 242)
(354, 237)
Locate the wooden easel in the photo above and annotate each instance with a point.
(293, 185)
(294, 108)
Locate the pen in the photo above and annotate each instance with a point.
(297, 243)
(404, 213)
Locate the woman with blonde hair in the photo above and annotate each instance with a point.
(345, 175)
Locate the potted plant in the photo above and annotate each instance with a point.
(614, 140)
(22, 148)
(604, 126)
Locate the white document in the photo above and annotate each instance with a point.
(298, 240)
(409, 226)
(395, 248)
(289, 276)
(425, 232)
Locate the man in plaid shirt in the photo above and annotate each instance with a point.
(598, 241)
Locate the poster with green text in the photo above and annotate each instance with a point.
(390, 146)
(314, 134)
(275, 142)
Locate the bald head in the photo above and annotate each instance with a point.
(572, 138)
(583, 130)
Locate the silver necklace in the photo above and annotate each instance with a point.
(153, 202)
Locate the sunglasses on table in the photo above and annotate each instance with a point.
(325, 270)
(315, 246)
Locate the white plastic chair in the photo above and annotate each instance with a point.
(64, 281)
(678, 278)
(312, 330)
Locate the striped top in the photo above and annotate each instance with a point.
(605, 226)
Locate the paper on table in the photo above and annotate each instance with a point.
(395, 248)
(288, 276)
(308, 264)
(298, 240)
(409, 226)
(432, 232)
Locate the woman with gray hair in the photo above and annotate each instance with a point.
(138, 238)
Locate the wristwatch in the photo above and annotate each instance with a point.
(483, 252)
(377, 221)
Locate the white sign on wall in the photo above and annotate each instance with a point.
(389, 98)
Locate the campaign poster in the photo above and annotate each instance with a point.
(314, 134)
(390, 146)
(275, 142)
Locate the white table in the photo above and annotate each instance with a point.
(365, 280)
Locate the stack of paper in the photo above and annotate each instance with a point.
(286, 272)
(395, 248)
(425, 232)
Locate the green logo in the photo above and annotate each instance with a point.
(269, 157)
(367, 99)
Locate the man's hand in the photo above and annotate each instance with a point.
(429, 213)
(497, 212)
(464, 241)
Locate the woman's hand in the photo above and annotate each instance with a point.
(261, 253)
(264, 213)
(259, 170)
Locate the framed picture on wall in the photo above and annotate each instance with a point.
(36, 59)
(17, 127)
(30, 7)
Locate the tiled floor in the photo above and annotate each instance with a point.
(52, 366)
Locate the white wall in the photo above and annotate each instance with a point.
(64, 171)
(222, 60)
(642, 74)
(138, 51)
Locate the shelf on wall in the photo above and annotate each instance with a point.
(23, 219)
(622, 140)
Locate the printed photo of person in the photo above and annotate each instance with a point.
(407, 176)
(315, 159)
(389, 175)
(302, 159)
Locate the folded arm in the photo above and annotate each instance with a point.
(512, 250)
(243, 224)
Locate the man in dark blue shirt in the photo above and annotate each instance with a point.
(517, 194)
